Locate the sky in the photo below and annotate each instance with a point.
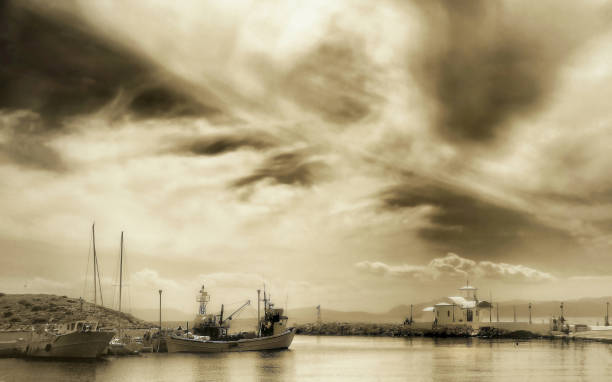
(352, 154)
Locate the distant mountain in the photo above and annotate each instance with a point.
(585, 307)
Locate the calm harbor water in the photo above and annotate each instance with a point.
(344, 359)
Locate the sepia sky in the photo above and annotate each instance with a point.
(354, 154)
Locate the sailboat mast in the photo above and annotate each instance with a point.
(120, 271)
(99, 283)
(93, 238)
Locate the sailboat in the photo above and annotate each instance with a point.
(122, 344)
(79, 339)
(210, 334)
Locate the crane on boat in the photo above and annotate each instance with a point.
(237, 311)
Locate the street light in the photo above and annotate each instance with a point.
(529, 313)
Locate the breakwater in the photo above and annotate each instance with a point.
(415, 330)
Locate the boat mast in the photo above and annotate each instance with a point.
(265, 300)
(96, 270)
(120, 271)
(93, 238)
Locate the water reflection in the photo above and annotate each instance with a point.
(344, 358)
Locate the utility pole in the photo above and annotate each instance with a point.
(529, 313)
(319, 314)
(160, 325)
(607, 314)
(410, 314)
(514, 311)
(497, 311)
(258, 313)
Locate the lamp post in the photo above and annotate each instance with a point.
(529, 313)
(258, 313)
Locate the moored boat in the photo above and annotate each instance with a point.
(177, 344)
(210, 334)
(74, 340)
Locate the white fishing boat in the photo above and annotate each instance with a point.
(210, 334)
(80, 339)
(73, 340)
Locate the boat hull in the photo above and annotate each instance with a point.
(71, 345)
(11, 348)
(121, 349)
(184, 345)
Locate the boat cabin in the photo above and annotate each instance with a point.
(274, 321)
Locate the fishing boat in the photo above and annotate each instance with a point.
(210, 334)
(79, 339)
(73, 340)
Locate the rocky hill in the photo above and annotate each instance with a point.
(20, 311)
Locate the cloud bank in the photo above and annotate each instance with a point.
(453, 266)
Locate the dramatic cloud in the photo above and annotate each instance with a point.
(456, 267)
(24, 141)
(296, 168)
(56, 67)
(334, 79)
(470, 223)
(220, 144)
(486, 62)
